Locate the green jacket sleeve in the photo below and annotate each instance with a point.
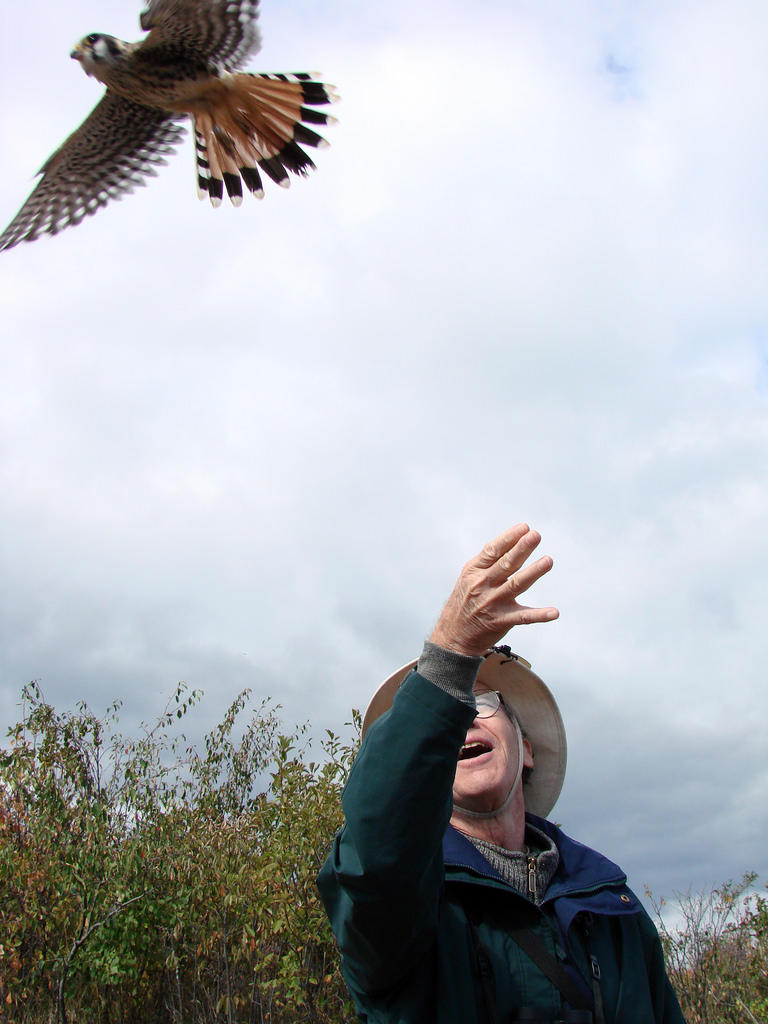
(381, 884)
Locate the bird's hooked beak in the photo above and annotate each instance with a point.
(78, 52)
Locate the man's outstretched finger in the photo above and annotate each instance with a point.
(499, 546)
(513, 560)
(525, 577)
(524, 615)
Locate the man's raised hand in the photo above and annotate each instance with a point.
(483, 606)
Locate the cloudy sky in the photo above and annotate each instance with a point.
(253, 447)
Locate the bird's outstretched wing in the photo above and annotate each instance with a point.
(117, 146)
(214, 33)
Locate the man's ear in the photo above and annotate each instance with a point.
(527, 754)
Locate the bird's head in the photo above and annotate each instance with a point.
(99, 54)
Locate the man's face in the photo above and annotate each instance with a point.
(488, 762)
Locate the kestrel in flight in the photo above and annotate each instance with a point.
(244, 124)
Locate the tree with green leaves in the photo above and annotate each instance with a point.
(142, 881)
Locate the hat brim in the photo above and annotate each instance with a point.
(535, 708)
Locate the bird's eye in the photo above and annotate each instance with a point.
(92, 38)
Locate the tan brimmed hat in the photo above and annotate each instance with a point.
(534, 707)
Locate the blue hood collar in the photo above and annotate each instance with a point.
(593, 882)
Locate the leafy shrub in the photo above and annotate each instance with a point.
(138, 883)
(717, 954)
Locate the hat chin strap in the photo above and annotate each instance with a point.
(467, 813)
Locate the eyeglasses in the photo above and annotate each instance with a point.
(488, 703)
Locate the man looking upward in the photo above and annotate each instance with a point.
(453, 899)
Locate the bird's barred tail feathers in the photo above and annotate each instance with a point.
(258, 128)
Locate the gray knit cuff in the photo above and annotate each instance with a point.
(452, 672)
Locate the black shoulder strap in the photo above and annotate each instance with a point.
(535, 949)
(586, 927)
(549, 966)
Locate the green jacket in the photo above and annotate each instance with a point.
(400, 882)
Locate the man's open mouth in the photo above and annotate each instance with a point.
(474, 749)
